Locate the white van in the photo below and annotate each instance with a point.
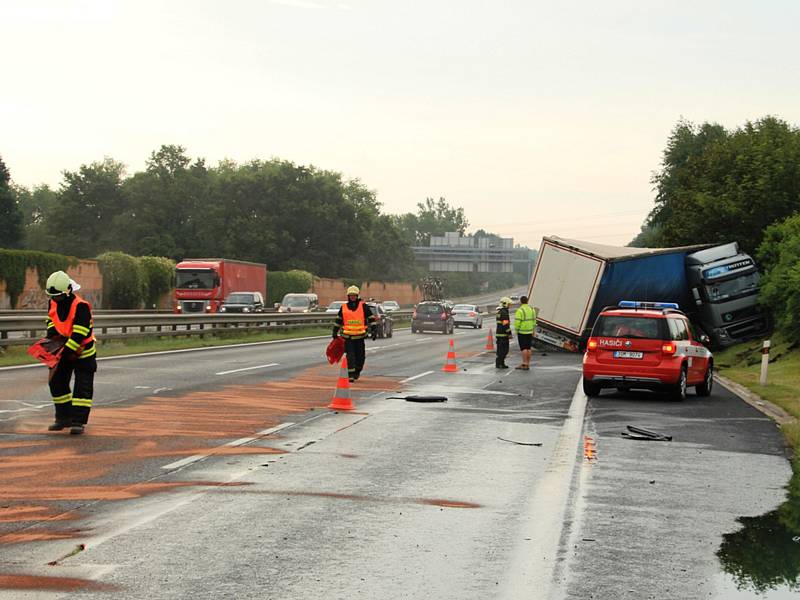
(304, 303)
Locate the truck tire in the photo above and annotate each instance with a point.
(704, 389)
(591, 389)
(678, 392)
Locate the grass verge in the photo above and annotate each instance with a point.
(742, 364)
(17, 355)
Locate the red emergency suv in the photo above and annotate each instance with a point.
(646, 345)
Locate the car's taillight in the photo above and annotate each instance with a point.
(472, 314)
(591, 345)
(668, 348)
(443, 316)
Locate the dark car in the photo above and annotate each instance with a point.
(385, 321)
(243, 302)
(433, 316)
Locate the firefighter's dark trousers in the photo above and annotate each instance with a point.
(354, 348)
(73, 405)
(502, 350)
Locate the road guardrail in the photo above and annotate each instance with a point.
(26, 329)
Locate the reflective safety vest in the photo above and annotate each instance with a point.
(353, 320)
(67, 326)
(525, 319)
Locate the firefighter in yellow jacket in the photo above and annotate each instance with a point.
(70, 316)
(352, 322)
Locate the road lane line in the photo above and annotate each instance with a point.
(247, 369)
(535, 559)
(415, 377)
(463, 390)
(240, 442)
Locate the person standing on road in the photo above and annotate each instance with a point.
(502, 332)
(524, 325)
(70, 316)
(353, 321)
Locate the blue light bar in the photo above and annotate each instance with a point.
(637, 304)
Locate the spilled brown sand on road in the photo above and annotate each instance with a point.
(71, 468)
(55, 584)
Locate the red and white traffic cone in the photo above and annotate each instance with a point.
(450, 364)
(341, 398)
(489, 342)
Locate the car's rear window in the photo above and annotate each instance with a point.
(429, 309)
(630, 327)
(463, 308)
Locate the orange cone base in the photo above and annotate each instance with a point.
(342, 404)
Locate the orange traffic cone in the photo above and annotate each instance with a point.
(450, 363)
(341, 398)
(489, 343)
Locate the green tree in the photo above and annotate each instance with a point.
(124, 280)
(36, 205)
(82, 220)
(717, 186)
(159, 273)
(10, 214)
(432, 218)
(779, 256)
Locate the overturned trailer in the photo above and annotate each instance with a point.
(717, 286)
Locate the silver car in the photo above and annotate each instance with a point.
(467, 314)
(334, 306)
(390, 305)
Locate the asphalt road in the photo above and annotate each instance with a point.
(219, 473)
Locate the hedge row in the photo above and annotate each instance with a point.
(779, 257)
(14, 263)
(131, 282)
(280, 283)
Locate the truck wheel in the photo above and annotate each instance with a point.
(591, 389)
(704, 389)
(678, 393)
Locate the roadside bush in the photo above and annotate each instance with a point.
(14, 263)
(124, 280)
(467, 284)
(159, 275)
(280, 283)
(779, 254)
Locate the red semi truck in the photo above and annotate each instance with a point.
(203, 284)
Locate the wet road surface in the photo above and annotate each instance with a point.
(221, 474)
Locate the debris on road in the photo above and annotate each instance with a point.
(520, 443)
(419, 398)
(637, 433)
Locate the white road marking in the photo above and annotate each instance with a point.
(241, 441)
(161, 389)
(415, 377)
(535, 556)
(247, 369)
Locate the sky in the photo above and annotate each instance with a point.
(537, 119)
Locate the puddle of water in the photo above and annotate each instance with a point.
(762, 559)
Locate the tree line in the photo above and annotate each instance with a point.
(276, 212)
(717, 185)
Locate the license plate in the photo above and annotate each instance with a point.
(430, 322)
(627, 354)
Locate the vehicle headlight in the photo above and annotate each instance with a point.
(222, 309)
(246, 309)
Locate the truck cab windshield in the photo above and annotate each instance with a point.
(732, 288)
(195, 280)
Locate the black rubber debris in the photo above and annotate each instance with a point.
(520, 443)
(637, 433)
(420, 398)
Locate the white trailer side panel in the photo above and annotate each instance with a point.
(563, 287)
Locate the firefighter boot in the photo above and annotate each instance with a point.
(63, 417)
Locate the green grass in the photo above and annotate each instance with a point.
(17, 355)
(742, 364)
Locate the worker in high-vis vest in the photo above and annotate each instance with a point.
(70, 316)
(524, 325)
(353, 322)
(502, 332)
